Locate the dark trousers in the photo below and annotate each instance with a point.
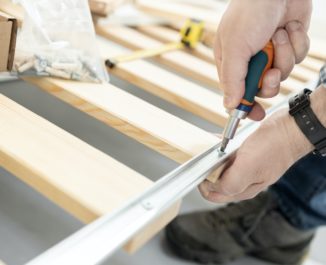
(302, 192)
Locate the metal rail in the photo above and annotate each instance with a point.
(94, 243)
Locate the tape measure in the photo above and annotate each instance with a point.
(190, 36)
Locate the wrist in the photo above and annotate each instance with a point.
(318, 104)
(297, 143)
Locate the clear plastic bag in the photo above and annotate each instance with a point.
(58, 39)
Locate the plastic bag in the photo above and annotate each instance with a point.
(58, 39)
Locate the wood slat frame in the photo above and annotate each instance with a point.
(169, 86)
(126, 37)
(165, 34)
(179, 144)
(76, 176)
(149, 125)
(180, 61)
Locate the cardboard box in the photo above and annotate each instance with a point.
(8, 35)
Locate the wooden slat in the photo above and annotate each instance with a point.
(180, 11)
(98, 7)
(128, 37)
(303, 74)
(166, 34)
(178, 60)
(291, 85)
(155, 128)
(312, 64)
(169, 86)
(317, 49)
(207, 4)
(103, 8)
(81, 179)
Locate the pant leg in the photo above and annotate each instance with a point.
(302, 192)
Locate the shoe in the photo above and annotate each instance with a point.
(255, 227)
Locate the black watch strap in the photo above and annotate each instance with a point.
(307, 121)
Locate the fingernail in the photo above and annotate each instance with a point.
(281, 37)
(293, 26)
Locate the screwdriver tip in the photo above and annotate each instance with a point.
(224, 143)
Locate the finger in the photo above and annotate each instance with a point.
(233, 72)
(218, 54)
(257, 113)
(299, 40)
(203, 189)
(234, 180)
(271, 84)
(250, 193)
(284, 57)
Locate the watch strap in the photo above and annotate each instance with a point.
(307, 121)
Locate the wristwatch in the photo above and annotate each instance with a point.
(308, 122)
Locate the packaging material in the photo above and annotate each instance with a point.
(58, 39)
(8, 34)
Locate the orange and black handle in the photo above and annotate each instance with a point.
(257, 68)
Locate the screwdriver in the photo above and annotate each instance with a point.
(257, 67)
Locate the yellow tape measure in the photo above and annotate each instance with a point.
(190, 36)
(192, 32)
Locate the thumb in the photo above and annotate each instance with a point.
(233, 72)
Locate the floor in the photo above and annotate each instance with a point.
(30, 224)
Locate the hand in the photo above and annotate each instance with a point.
(245, 29)
(261, 160)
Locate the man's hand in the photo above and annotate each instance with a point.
(245, 29)
(265, 156)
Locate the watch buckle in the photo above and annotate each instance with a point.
(299, 103)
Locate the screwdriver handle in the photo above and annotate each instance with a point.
(257, 67)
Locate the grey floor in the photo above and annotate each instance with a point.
(30, 224)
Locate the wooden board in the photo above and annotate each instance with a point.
(317, 49)
(291, 85)
(180, 61)
(173, 88)
(312, 64)
(180, 12)
(303, 74)
(98, 7)
(105, 7)
(165, 34)
(169, 86)
(81, 179)
(153, 127)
